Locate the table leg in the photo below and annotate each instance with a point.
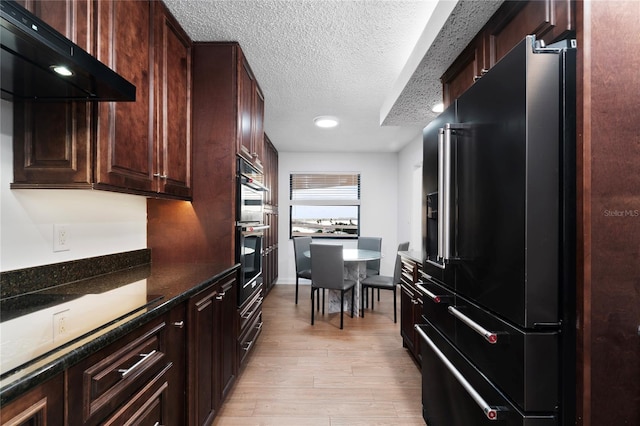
(354, 271)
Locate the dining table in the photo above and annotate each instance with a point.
(355, 268)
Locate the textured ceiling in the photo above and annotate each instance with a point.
(358, 60)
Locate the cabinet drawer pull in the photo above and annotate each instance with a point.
(248, 346)
(220, 296)
(489, 411)
(259, 325)
(248, 315)
(179, 324)
(488, 335)
(126, 372)
(157, 424)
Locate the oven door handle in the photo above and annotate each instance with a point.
(256, 228)
(251, 182)
(489, 411)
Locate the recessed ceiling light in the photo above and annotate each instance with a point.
(439, 107)
(62, 70)
(325, 121)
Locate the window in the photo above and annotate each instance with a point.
(324, 205)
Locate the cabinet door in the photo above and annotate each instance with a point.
(41, 406)
(245, 109)
(407, 298)
(257, 143)
(126, 129)
(212, 348)
(228, 300)
(173, 146)
(203, 344)
(549, 20)
(52, 141)
(467, 68)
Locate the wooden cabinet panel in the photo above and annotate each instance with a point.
(42, 405)
(51, 142)
(245, 108)
(258, 127)
(125, 137)
(212, 348)
(173, 110)
(465, 70)
(250, 115)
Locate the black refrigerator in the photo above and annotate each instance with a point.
(498, 277)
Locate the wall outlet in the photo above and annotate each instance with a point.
(60, 325)
(61, 238)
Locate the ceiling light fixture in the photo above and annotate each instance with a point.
(62, 70)
(439, 107)
(325, 121)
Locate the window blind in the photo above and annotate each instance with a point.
(330, 187)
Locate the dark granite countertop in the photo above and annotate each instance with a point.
(133, 296)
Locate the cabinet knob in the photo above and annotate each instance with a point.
(220, 296)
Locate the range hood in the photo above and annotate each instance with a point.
(31, 50)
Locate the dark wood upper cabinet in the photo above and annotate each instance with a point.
(173, 110)
(141, 147)
(250, 115)
(126, 130)
(549, 20)
(52, 141)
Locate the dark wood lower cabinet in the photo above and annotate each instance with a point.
(212, 366)
(410, 307)
(42, 405)
(138, 377)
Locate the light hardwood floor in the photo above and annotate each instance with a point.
(307, 375)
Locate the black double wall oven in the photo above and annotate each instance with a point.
(498, 332)
(250, 228)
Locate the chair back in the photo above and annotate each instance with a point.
(374, 244)
(327, 266)
(397, 272)
(300, 245)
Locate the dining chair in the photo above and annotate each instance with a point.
(383, 282)
(327, 272)
(303, 263)
(373, 244)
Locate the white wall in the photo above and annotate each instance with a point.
(378, 203)
(98, 222)
(410, 194)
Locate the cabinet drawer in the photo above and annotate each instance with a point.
(149, 406)
(106, 380)
(249, 337)
(514, 360)
(248, 312)
(437, 300)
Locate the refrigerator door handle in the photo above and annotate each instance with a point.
(489, 411)
(434, 297)
(489, 336)
(446, 216)
(441, 174)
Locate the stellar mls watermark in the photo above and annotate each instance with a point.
(621, 213)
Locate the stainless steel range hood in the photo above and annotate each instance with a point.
(30, 51)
